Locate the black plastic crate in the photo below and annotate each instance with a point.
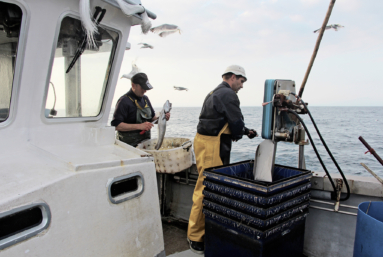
(253, 198)
(261, 212)
(227, 240)
(225, 237)
(252, 221)
(240, 175)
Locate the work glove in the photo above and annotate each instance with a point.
(253, 134)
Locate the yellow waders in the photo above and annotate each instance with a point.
(206, 149)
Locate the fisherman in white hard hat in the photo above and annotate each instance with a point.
(220, 123)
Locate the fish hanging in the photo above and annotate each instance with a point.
(90, 26)
(130, 9)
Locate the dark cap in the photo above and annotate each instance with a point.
(142, 80)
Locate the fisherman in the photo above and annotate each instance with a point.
(220, 123)
(134, 112)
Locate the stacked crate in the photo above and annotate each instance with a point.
(251, 218)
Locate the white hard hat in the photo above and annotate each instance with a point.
(236, 69)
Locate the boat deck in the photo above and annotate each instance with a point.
(176, 244)
(187, 253)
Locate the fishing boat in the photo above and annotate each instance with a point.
(68, 187)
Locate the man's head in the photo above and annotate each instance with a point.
(140, 84)
(235, 76)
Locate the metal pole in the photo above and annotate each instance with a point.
(371, 150)
(319, 39)
(73, 88)
(301, 161)
(372, 173)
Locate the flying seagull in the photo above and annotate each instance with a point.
(134, 71)
(145, 45)
(180, 88)
(332, 26)
(165, 29)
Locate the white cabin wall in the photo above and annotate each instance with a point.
(83, 217)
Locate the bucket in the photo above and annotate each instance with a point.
(369, 230)
(175, 154)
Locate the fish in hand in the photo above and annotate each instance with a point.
(162, 123)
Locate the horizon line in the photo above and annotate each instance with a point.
(262, 106)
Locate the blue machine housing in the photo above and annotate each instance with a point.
(267, 117)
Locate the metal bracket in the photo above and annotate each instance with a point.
(339, 185)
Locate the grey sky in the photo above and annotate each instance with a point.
(271, 40)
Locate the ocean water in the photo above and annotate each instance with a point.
(340, 127)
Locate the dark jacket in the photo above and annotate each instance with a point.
(126, 109)
(221, 106)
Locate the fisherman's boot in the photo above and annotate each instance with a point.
(196, 247)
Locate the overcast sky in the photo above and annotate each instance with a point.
(272, 40)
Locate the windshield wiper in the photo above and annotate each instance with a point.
(82, 46)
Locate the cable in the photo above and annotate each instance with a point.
(54, 92)
(53, 112)
(329, 153)
(314, 147)
(327, 149)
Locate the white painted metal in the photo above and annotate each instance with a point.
(264, 161)
(67, 163)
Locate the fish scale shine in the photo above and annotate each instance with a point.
(162, 123)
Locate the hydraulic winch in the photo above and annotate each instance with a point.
(278, 124)
(281, 121)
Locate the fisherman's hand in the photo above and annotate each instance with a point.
(146, 126)
(252, 133)
(167, 116)
(235, 138)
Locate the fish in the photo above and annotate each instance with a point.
(180, 88)
(332, 26)
(133, 72)
(162, 123)
(167, 33)
(165, 27)
(145, 45)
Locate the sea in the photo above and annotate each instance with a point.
(340, 127)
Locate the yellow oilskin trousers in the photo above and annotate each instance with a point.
(206, 149)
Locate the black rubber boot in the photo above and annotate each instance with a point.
(196, 247)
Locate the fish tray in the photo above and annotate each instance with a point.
(253, 210)
(175, 154)
(252, 198)
(240, 175)
(253, 221)
(226, 238)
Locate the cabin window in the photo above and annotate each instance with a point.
(127, 187)
(80, 91)
(10, 24)
(22, 223)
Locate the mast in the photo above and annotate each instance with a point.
(319, 39)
